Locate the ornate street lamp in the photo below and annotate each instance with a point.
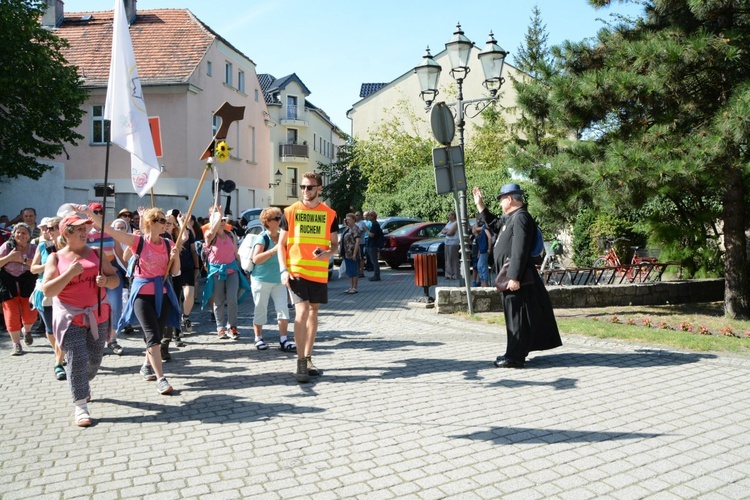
(459, 49)
(276, 176)
(428, 73)
(492, 58)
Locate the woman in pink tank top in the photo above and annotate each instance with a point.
(80, 311)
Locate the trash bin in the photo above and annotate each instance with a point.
(425, 272)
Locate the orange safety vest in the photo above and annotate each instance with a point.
(308, 229)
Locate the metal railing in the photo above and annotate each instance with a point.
(293, 150)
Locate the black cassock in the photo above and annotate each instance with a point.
(529, 318)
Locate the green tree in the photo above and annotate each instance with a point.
(344, 184)
(662, 105)
(40, 95)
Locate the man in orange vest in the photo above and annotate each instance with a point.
(308, 237)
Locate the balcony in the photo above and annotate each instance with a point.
(294, 118)
(293, 152)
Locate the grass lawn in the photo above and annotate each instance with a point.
(693, 327)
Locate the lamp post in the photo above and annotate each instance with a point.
(277, 177)
(492, 58)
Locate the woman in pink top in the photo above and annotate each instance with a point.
(224, 278)
(80, 311)
(152, 299)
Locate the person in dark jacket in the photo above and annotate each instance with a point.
(529, 318)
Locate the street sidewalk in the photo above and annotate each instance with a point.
(409, 406)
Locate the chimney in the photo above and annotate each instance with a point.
(53, 13)
(130, 11)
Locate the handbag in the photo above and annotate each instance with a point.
(501, 281)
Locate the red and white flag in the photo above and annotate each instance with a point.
(126, 109)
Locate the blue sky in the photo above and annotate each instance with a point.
(336, 45)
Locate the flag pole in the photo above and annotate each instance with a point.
(186, 217)
(104, 215)
(152, 198)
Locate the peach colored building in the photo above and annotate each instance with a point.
(187, 71)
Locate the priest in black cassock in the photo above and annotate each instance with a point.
(529, 319)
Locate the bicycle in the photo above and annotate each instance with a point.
(641, 268)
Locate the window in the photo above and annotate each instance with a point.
(256, 95)
(228, 74)
(215, 122)
(99, 128)
(209, 69)
(291, 187)
(315, 140)
(252, 144)
(241, 81)
(291, 107)
(291, 136)
(320, 145)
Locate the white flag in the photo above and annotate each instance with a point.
(126, 109)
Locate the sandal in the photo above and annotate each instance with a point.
(261, 345)
(82, 417)
(287, 346)
(60, 372)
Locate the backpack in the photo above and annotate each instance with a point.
(135, 259)
(246, 249)
(538, 248)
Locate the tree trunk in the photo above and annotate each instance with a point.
(736, 290)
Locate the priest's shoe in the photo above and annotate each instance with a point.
(508, 363)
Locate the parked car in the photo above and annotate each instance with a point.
(249, 215)
(431, 245)
(390, 224)
(397, 242)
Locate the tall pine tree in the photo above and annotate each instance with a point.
(662, 104)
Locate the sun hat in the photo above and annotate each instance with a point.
(73, 220)
(44, 222)
(124, 211)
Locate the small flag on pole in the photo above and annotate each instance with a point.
(126, 109)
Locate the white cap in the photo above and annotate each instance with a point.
(45, 222)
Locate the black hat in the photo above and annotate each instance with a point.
(510, 189)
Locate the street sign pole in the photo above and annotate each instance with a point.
(451, 158)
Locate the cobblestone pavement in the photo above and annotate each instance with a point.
(409, 406)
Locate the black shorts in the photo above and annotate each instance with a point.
(186, 278)
(308, 291)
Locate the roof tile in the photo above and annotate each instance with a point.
(168, 44)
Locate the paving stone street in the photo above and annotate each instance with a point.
(409, 406)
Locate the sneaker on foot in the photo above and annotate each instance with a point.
(17, 350)
(223, 334)
(162, 385)
(178, 341)
(187, 326)
(116, 348)
(234, 334)
(27, 338)
(60, 372)
(148, 373)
